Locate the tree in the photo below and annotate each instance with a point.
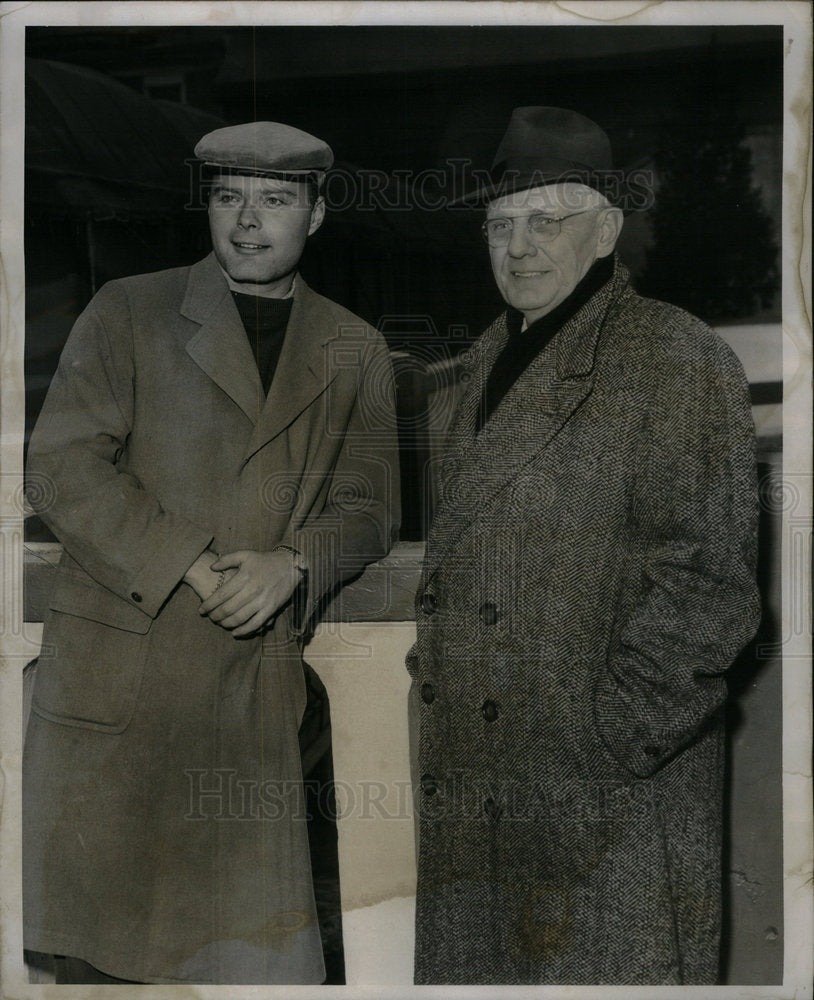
(713, 252)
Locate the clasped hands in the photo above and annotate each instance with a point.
(256, 587)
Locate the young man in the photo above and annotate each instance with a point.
(222, 445)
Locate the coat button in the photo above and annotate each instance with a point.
(488, 613)
(429, 786)
(427, 693)
(489, 710)
(136, 596)
(653, 751)
(429, 603)
(492, 809)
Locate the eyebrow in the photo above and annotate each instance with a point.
(218, 188)
(279, 191)
(551, 213)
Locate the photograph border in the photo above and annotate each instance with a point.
(19, 641)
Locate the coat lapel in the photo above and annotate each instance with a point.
(537, 406)
(221, 348)
(303, 370)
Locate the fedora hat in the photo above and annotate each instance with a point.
(547, 146)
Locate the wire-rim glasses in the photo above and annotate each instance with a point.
(541, 228)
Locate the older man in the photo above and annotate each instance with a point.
(221, 441)
(589, 577)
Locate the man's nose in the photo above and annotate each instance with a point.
(520, 244)
(247, 217)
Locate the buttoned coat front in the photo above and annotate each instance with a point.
(165, 836)
(589, 578)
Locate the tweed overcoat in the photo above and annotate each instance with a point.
(165, 839)
(589, 577)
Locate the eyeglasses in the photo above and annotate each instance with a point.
(541, 228)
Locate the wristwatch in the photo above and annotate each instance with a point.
(299, 559)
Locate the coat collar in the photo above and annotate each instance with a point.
(221, 349)
(478, 467)
(304, 369)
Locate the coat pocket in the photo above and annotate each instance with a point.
(94, 648)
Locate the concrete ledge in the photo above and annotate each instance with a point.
(383, 593)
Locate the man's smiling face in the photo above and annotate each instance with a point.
(259, 226)
(536, 278)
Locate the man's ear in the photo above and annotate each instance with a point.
(610, 226)
(317, 215)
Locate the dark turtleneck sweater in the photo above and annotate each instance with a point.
(523, 346)
(265, 321)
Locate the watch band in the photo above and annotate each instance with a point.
(298, 557)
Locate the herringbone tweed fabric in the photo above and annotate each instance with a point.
(589, 578)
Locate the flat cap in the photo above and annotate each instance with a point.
(267, 149)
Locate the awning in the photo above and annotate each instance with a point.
(97, 149)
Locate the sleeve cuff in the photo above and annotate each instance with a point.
(149, 589)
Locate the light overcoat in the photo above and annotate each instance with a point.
(165, 839)
(589, 578)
